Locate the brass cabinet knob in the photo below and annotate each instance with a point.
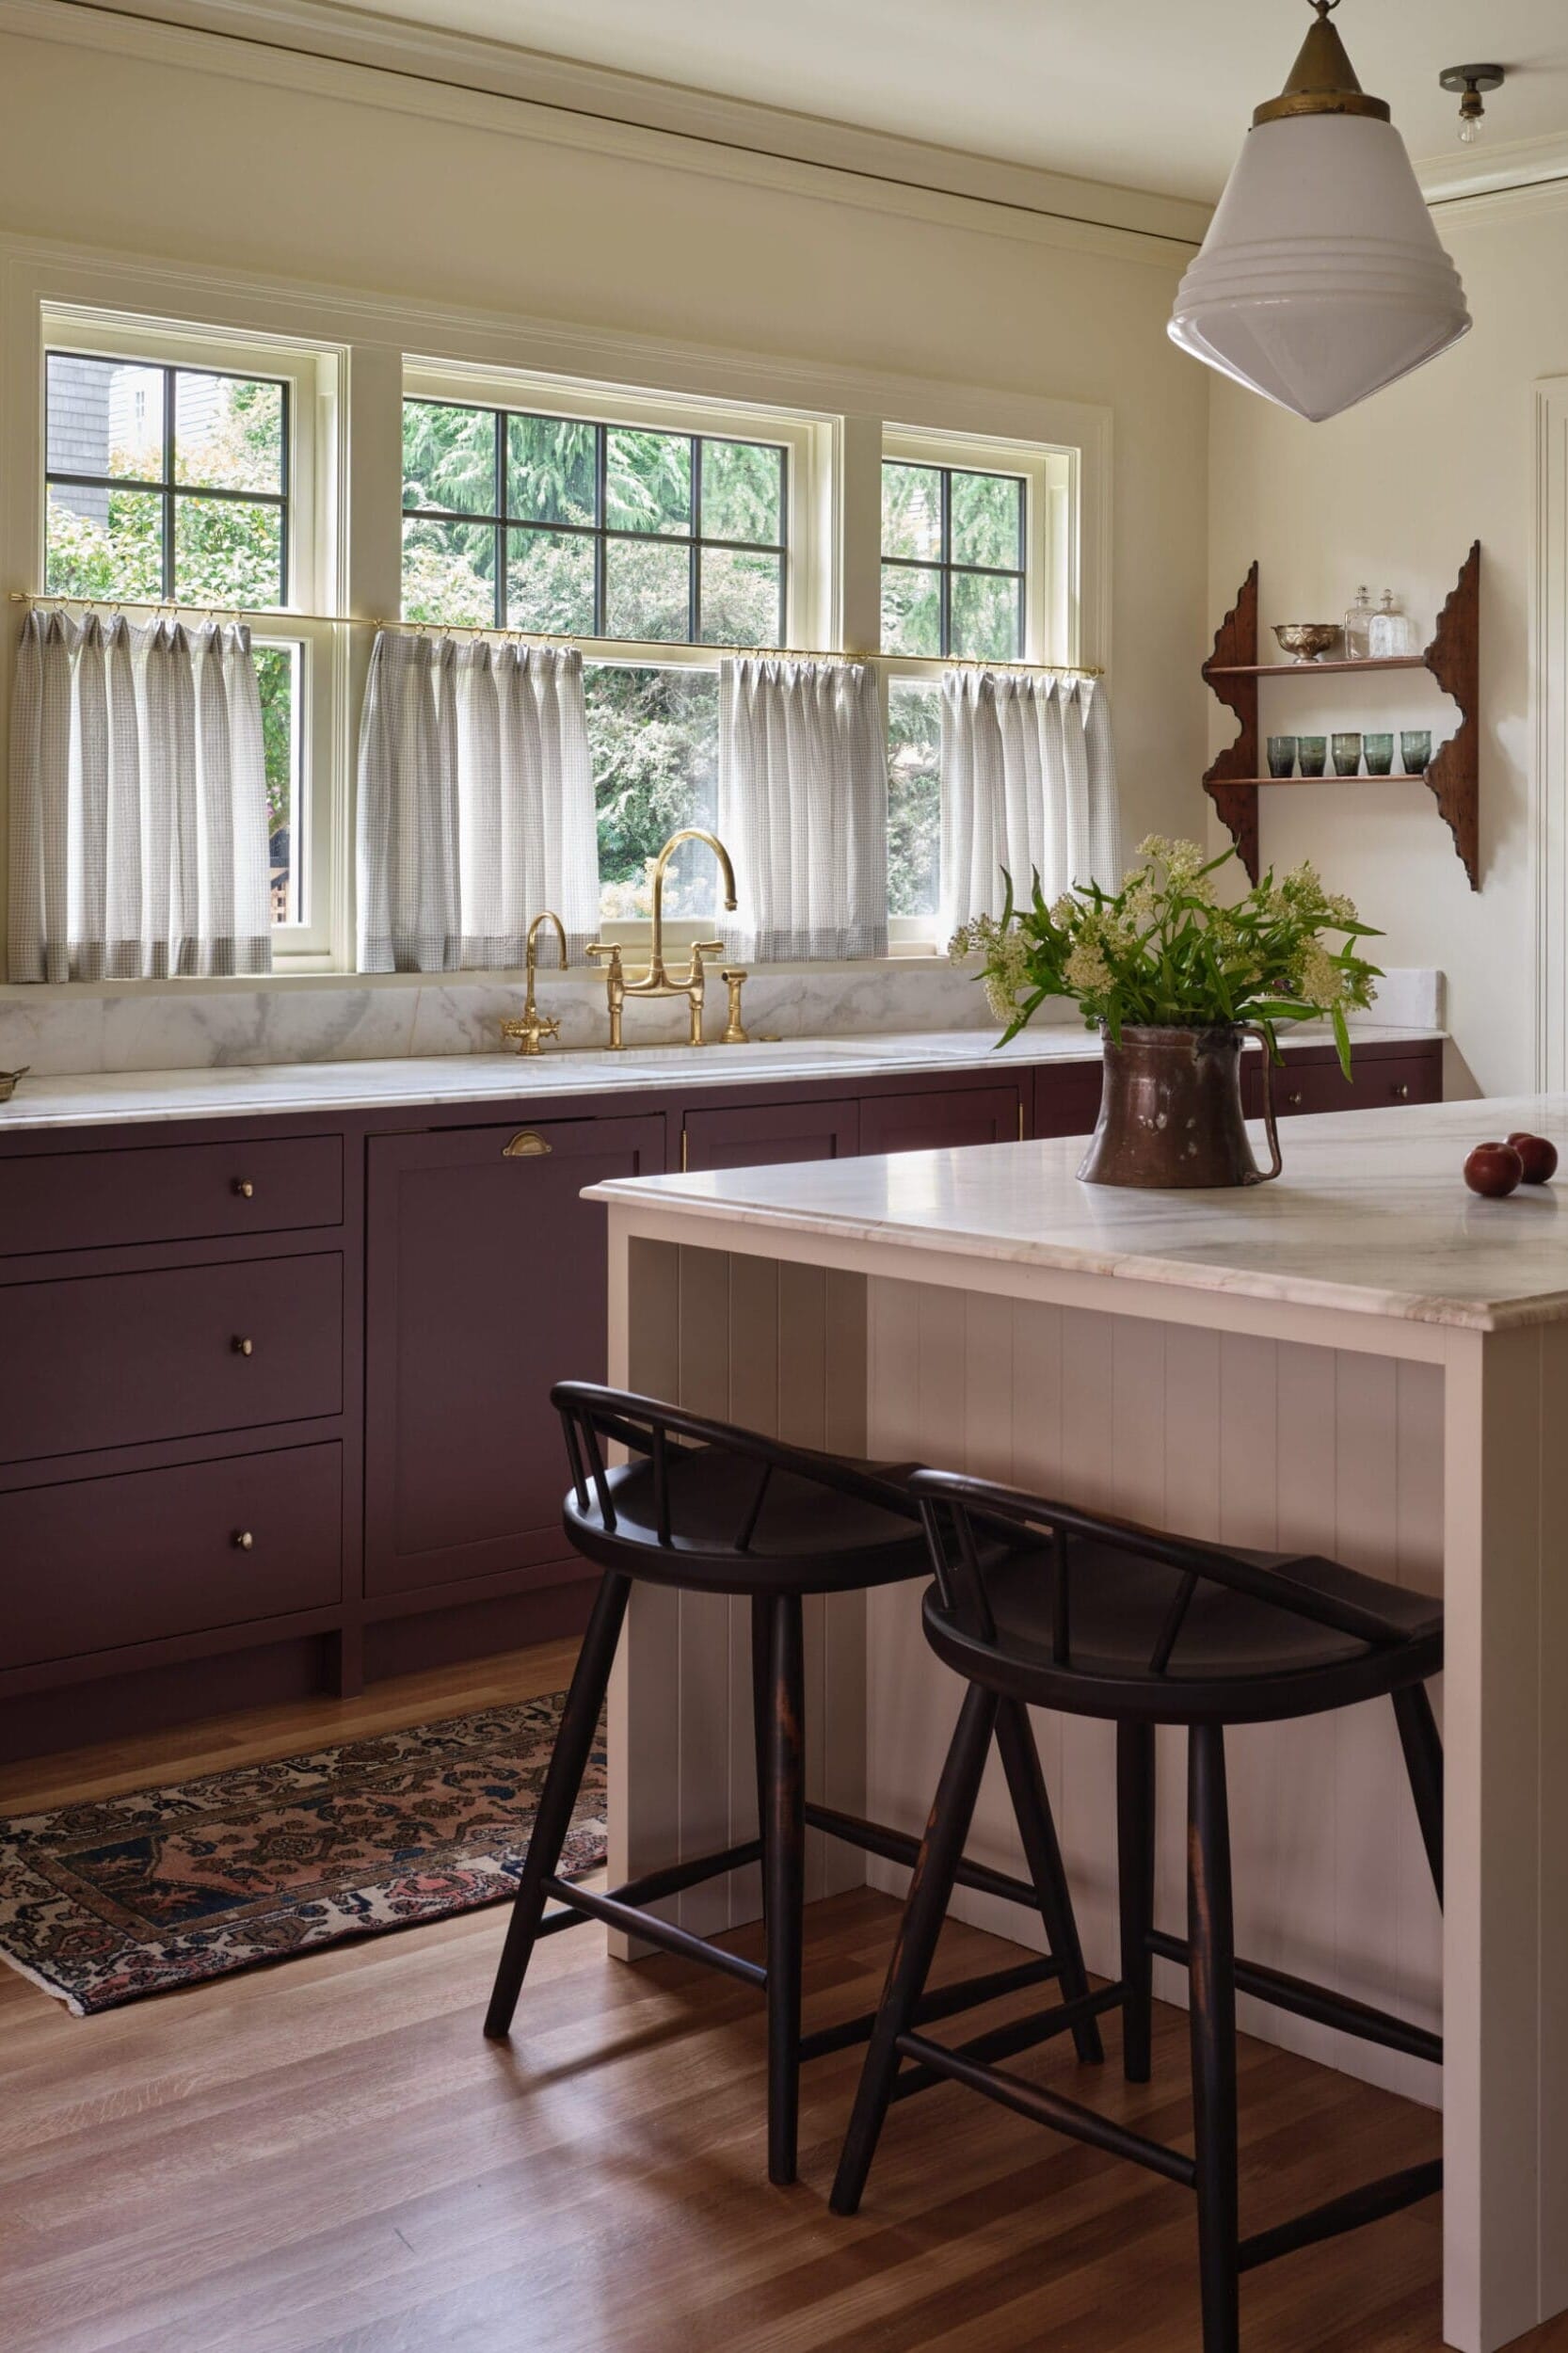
(244, 1541)
(1402, 1092)
(244, 1187)
(1294, 1101)
(243, 1346)
(526, 1146)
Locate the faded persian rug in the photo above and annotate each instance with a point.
(103, 1903)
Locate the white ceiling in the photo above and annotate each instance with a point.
(1147, 93)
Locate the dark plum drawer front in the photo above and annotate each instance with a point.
(1067, 1098)
(763, 1135)
(945, 1115)
(112, 1360)
(171, 1193)
(1380, 1082)
(100, 1562)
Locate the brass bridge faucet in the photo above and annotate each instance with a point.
(532, 1025)
(658, 981)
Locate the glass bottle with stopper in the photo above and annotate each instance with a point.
(1358, 628)
(1393, 631)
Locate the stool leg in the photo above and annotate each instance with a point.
(1422, 1744)
(567, 1763)
(761, 1709)
(1135, 1818)
(1212, 1963)
(1032, 1809)
(942, 1851)
(784, 1880)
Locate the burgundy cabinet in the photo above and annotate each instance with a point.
(116, 1360)
(485, 1283)
(95, 1563)
(1379, 1082)
(168, 1192)
(760, 1135)
(941, 1115)
(1067, 1097)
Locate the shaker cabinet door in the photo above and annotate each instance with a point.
(939, 1116)
(486, 1283)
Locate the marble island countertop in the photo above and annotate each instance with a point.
(1371, 1215)
(113, 1098)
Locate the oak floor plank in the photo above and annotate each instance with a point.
(325, 2156)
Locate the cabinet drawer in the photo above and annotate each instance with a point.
(1067, 1097)
(764, 1134)
(107, 1360)
(100, 1562)
(1377, 1084)
(172, 1193)
(926, 1122)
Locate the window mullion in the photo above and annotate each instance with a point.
(169, 484)
(694, 561)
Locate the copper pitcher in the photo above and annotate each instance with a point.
(1171, 1111)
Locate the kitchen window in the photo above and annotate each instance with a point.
(652, 534)
(978, 561)
(180, 471)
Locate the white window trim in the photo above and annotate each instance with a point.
(366, 335)
(813, 443)
(313, 376)
(1053, 620)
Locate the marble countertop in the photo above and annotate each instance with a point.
(115, 1098)
(1371, 1215)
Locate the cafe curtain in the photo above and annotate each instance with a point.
(1029, 784)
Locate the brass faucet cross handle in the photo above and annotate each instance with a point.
(658, 981)
(532, 1026)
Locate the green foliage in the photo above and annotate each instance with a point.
(654, 739)
(227, 554)
(914, 796)
(1161, 951)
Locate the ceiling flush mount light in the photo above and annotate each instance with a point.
(1468, 82)
(1320, 280)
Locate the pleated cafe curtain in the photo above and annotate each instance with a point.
(475, 803)
(138, 827)
(1029, 784)
(802, 808)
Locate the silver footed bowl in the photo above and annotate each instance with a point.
(1307, 640)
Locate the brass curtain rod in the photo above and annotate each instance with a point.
(533, 636)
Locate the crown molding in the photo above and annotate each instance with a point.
(319, 45)
(1466, 175)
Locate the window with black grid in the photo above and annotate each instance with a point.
(567, 526)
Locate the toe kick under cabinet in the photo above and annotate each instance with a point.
(274, 1391)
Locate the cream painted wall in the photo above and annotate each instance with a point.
(1392, 495)
(350, 186)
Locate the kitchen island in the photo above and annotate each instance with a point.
(1361, 1360)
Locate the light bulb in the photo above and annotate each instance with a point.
(1469, 132)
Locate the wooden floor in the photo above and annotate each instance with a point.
(326, 2157)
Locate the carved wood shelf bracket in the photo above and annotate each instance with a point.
(1233, 673)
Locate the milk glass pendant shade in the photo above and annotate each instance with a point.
(1321, 279)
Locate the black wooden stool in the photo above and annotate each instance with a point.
(1039, 1605)
(709, 1508)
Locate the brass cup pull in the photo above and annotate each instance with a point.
(526, 1146)
(243, 1346)
(244, 1187)
(244, 1541)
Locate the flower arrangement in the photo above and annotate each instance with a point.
(1163, 952)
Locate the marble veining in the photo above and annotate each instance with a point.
(189, 1025)
(1371, 1215)
(99, 1097)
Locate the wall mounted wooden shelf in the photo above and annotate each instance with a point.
(1233, 671)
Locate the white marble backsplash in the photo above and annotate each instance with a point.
(202, 1025)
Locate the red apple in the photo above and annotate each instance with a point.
(1539, 1154)
(1493, 1170)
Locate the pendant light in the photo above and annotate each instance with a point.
(1321, 279)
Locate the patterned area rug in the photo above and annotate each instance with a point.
(104, 1903)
